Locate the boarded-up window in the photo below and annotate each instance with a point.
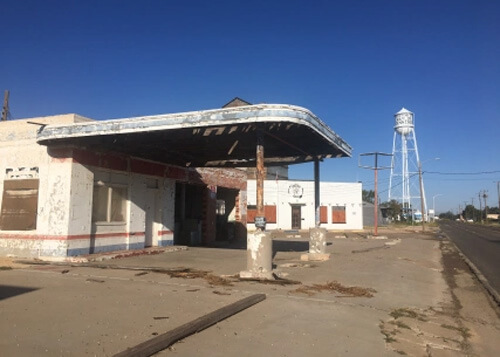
(338, 214)
(109, 204)
(269, 213)
(323, 214)
(251, 213)
(19, 205)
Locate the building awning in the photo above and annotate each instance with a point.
(209, 138)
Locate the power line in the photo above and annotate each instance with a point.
(458, 179)
(462, 173)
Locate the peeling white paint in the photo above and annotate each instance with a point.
(65, 199)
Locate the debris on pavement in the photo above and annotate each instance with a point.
(165, 340)
(92, 280)
(334, 286)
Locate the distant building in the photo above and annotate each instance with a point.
(272, 172)
(369, 215)
(289, 204)
(236, 102)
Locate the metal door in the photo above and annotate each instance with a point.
(296, 217)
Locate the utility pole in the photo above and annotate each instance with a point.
(473, 209)
(422, 204)
(375, 168)
(480, 208)
(498, 193)
(485, 196)
(5, 108)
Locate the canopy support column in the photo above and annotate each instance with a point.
(316, 194)
(317, 235)
(259, 242)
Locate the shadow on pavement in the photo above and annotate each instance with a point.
(7, 291)
(289, 246)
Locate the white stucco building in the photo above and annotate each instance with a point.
(67, 201)
(289, 204)
(71, 185)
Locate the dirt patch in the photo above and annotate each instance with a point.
(7, 263)
(334, 286)
(438, 330)
(428, 332)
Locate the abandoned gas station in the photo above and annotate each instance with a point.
(73, 186)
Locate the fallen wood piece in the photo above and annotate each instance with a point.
(160, 342)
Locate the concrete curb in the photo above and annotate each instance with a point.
(99, 257)
(493, 293)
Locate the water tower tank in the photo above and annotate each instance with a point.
(404, 121)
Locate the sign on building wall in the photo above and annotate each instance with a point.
(296, 191)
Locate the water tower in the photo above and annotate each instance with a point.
(404, 185)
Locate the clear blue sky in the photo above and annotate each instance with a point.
(353, 63)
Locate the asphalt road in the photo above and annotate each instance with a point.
(481, 244)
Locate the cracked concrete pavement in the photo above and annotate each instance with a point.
(425, 302)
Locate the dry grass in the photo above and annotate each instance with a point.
(464, 331)
(404, 312)
(187, 273)
(334, 286)
(400, 324)
(217, 280)
(388, 335)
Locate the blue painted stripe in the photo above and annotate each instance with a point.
(99, 249)
(109, 248)
(165, 243)
(134, 246)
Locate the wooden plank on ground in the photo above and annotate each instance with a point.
(158, 343)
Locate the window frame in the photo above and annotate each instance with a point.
(323, 214)
(109, 204)
(336, 210)
(27, 202)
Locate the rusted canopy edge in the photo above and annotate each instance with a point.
(220, 137)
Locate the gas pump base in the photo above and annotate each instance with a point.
(259, 256)
(317, 246)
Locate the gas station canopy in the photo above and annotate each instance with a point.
(210, 138)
